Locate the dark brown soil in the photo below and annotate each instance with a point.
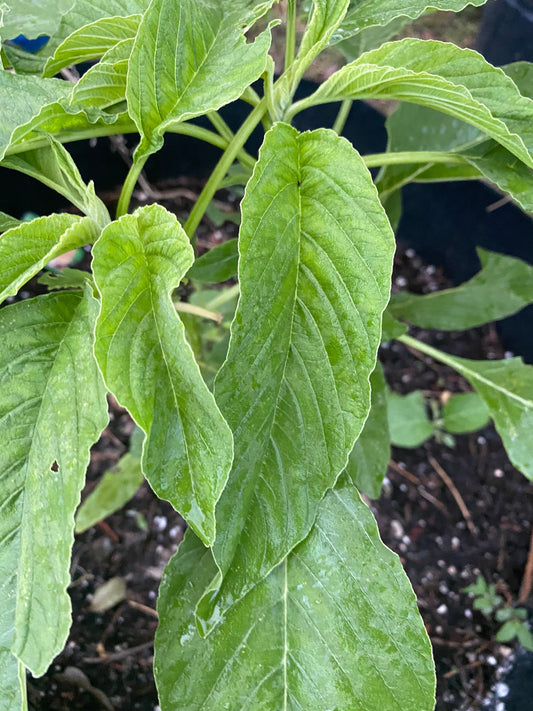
(107, 662)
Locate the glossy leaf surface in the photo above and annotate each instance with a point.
(409, 424)
(334, 626)
(314, 271)
(150, 368)
(53, 408)
(502, 287)
(370, 456)
(179, 49)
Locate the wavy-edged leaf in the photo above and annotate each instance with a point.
(115, 488)
(409, 424)
(464, 412)
(32, 18)
(363, 14)
(219, 264)
(370, 456)
(92, 41)
(53, 166)
(178, 50)
(458, 82)
(417, 128)
(502, 287)
(66, 279)
(24, 250)
(314, 271)
(53, 408)
(335, 626)
(150, 367)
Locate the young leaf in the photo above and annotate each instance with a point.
(150, 367)
(32, 18)
(458, 82)
(7, 222)
(115, 488)
(369, 457)
(53, 408)
(315, 262)
(502, 287)
(24, 250)
(465, 412)
(334, 626)
(179, 48)
(219, 264)
(409, 424)
(92, 41)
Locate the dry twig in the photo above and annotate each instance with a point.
(456, 495)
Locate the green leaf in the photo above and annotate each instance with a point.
(115, 488)
(66, 279)
(150, 367)
(54, 167)
(409, 424)
(334, 626)
(458, 82)
(314, 271)
(508, 631)
(92, 42)
(219, 264)
(7, 222)
(24, 250)
(33, 18)
(379, 13)
(171, 73)
(524, 636)
(53, 408)
(465, 412)
(502, 287)
(522, 75)
(368, 38)
(369, 458)
(391, 328)
(21, 61)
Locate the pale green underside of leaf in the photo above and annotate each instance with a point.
(409, 424)
(179, 48)
(32, 18)
(464, 412)
(315, 262)
(92, 42)
(370, 456)
(115, 488)
(458, 82)
(506, 386)
(53, 408)
(371, 13)
(24, 250)
(149, 366)
(417, 128)
(7, 222)
(502, 287)
(335, 626)
(54, 167)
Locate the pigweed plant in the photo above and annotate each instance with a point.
(282, 595)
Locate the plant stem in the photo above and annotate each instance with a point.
(290, 36)
(227, 134)
(222, 168)
(129, 185)
(430, 351)
(187, 308)
(342, 116)
(373, 160)
(223, 297)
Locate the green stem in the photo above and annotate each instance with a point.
(290, 37)
(129, 185)
(250, 96)
(227, 134)
(430, 351)
(374, 160)
(187, 308)
(222, 167)
(223, 297)
(342, 116)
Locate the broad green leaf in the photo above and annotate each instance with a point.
(33, 18)
(92, 42)
(24, 250)
(506, 386)
(104, 84)
(369, 458)
(409, 424)
(21, 61)
(416, 128)
(22, 98)
(465, 412)
(363, 14)
(115, 488)
(7, 222)
(334, 626)
(458, 82)
(171, 70)
(368, 38)
(53, 408)
(522, 75)
(54, 167)
(66, 279)
(315, 262)
(391, 328)
(502, 287)
(150, 368)
(219, 264)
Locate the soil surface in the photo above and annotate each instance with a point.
(107, 662)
